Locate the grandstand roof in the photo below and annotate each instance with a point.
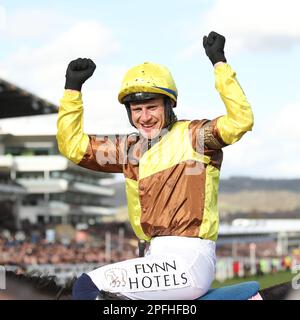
(259, 226)
(17, 102)
(24, 114)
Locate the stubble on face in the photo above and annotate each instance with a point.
(148, 117)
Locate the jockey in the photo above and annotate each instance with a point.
(172, 170)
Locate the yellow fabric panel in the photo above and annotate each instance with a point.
(72, 142)
(239, 118)
(134, 208)
(173, 148)
(210, 222)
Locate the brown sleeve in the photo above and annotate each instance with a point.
(105, 153)
(205, 135)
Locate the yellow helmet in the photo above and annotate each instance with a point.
(148, 78)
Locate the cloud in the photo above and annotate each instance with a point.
(44, 42)
(252, 25)
(32, 23)
(40, 66)
(41, 69)
(86, 38)
(270, 150)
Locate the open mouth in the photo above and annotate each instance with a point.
(148, 127)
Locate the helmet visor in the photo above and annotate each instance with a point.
(141, 96)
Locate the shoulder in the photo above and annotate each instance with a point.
(190, 123)
(197, 124)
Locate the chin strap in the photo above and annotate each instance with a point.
(127, 105)
(170, 116)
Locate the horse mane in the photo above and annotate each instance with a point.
(282, 291)
(42, 284)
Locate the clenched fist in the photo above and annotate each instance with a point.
(214, 47)
(78, 72)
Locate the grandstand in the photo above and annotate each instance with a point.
(38, 184)
(17, 102)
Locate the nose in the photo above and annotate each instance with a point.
(146, 115)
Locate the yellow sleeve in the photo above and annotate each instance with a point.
(99, 153)
(239, 118)
(72, 141)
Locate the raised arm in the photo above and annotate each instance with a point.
(231, 127)
(96, 153)
(72, 141)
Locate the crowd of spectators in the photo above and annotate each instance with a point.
(263, 249)
(32, 249)
(35, 247)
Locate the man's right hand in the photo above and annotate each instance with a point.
(78, 72)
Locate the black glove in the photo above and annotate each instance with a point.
(214, 47)
(78, 72)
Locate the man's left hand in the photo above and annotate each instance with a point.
(214, 47)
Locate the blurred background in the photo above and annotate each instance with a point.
(59, 219)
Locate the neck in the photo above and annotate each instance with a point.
(152, 141)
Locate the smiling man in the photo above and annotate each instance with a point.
(148, 116)
(171, 169)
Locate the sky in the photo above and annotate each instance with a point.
(39, 39)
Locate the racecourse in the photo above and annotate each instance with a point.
(265, 281)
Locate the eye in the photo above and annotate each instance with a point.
(136, 109)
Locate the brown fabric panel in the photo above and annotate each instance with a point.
(136, 148)
(206, 131)
(172, 200)
(131, 168)
(216, 132)
(216, 157)
(196, 134)
(105, 154)
(206, 140)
